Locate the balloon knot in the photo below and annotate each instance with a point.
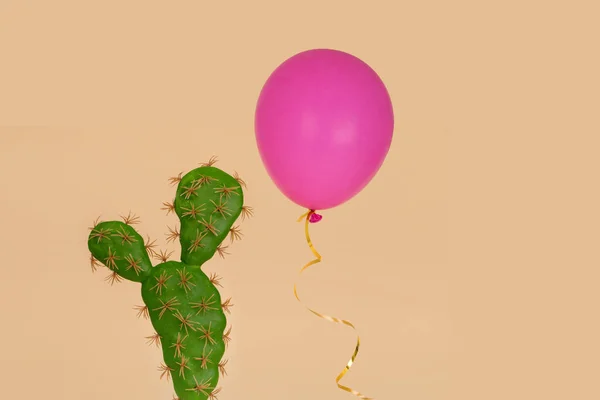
(314, 217)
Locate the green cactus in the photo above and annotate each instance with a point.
(181, 301)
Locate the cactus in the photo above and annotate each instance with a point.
(181, 301)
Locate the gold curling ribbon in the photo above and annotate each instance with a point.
(306, 217)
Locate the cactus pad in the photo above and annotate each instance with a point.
(180, 299)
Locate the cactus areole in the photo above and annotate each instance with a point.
(181, 301)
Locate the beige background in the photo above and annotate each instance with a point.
(470, 264)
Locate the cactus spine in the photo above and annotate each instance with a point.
(181, 301)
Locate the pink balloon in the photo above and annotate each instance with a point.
(324, 124)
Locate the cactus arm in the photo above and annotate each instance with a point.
(121, 249)
(208, 202)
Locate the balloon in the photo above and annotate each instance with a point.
(324, 123)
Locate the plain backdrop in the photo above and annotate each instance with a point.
(469, 265)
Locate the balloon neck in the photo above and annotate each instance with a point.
(314, 217)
